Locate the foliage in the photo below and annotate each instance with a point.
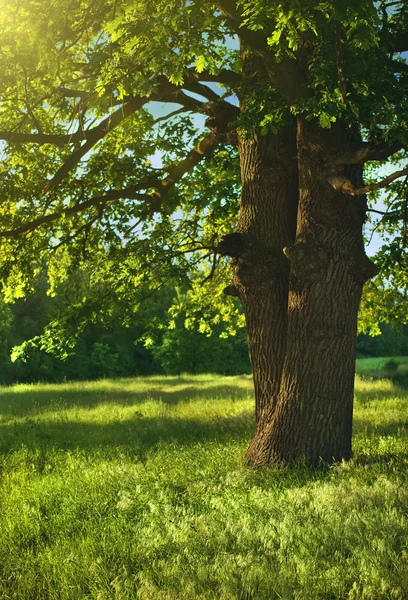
(390, 342)
(145, 345)
(385, 298)
(171, 333)
(170, 511)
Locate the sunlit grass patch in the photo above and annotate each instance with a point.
(136, 489)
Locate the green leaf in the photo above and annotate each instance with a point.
(200, 64)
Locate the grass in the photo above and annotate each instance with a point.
(395, 368)
(136, 489)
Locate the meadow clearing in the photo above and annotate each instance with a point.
(136, 489)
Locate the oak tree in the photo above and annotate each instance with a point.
(143, 138)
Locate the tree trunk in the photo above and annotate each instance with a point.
(313, 413)
(267, 223)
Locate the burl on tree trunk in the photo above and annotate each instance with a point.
(302, 326)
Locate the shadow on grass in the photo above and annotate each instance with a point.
(139, 435)
(383, 429)
(399, 461)
(383, 390)
(398, 381)
(135, 436)
(37, 401)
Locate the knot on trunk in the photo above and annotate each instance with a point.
(231, 290)
(307, 260)
(222, 117)
(362, 268)
(232, 244)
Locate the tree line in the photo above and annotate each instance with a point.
(113, 349)
(116, 350)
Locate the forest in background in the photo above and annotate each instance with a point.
(146, 346)
(115, 350)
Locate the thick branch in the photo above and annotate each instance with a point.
(167, 92)
(344, 185)
(178, 96)
(367, 152)
(202, 90)
(67, 212)
(96, 133)
(43, 138)
(400, 42)
(91, 136)
(176, 172)
(70, 93)
(285, 75)
(398, 66)
(224, 76)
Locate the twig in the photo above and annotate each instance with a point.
(213, 268)
(387, 212)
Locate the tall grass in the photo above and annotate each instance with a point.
(136, 489)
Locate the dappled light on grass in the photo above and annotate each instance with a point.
(136, 488)
(30, 399)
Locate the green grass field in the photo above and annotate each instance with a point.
(136, 489)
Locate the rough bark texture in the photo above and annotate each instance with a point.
(267, 223)
(313, 413)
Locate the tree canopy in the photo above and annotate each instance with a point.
(119, 121)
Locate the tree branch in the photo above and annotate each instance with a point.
(286, 75)
(343, 184)
(69, 93)
(400, 42)
(202, 90)
(91, 136)
(44, 138)
(367, 152)
(225, 76)
(176, 172)
(96, 134)
(399, 66)
(86, 227)
(167, 93)
(170, 94)
(385, 213)
(161, 187)
(67, 212)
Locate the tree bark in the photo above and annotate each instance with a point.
(313, 413)
(267, 223)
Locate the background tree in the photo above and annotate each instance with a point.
(96, 179)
